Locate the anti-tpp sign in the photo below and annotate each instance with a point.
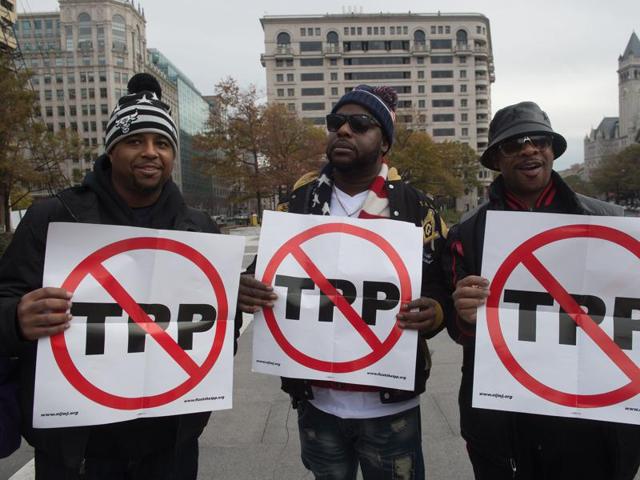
(152, 328)
(560, 334)
(340, 283)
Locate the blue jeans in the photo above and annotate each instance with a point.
(386, 448)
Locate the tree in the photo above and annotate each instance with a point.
(229, 148)
(618, 176)
(255, 147)
(291, 146)
(446, 169)
(30, 153)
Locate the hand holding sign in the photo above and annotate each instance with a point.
(44, 312)
(471, 293)
(253, 294)
(425, 320)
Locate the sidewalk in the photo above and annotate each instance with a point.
(258, 438)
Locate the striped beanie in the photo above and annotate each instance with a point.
(379, 101)
(141, 111)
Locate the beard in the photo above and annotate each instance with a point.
(360, 161)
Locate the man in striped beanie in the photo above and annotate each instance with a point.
(130, 185)
(343, 426)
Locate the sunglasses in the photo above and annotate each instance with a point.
(358, 122)
(514, 146)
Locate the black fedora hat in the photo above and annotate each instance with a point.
(524, 118)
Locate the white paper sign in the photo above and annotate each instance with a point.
(339, 281)
(533, 357)
(152, 329)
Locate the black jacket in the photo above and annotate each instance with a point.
(409, 205)
(498, 434)
(21, 269)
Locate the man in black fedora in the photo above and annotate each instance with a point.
(507, 445)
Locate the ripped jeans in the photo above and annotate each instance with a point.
(387, 448)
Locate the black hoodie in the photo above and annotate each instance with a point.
(21, 270)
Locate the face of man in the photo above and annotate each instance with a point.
(140, 166)
(350, 151)
(528, 172)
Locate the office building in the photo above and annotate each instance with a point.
(82, 57)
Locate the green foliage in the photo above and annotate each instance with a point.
(29, 152)
(256, 148)
(446, 169)
(618, 176)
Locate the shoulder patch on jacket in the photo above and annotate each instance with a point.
(306, 178)
(429, 229)
(393, 175)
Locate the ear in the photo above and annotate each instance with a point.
(384, 145)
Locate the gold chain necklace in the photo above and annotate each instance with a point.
(345, 208)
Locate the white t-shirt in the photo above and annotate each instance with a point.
(349, 404)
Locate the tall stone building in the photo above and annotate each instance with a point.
(440, 64)
(616, 133)
(82, 57)
(7, 22)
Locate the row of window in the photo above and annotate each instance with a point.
(319, 62)
(400, 89)
(377, 75)
(419, 35)
(72, 111)
(85, 77)
(435, 103)
(85, 93)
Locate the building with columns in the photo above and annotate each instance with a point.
(614, 134)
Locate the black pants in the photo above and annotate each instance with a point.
(180, 463)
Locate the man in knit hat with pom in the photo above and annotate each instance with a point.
(342, 425)
(130, 185)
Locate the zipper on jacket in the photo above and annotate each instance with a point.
(514, 468)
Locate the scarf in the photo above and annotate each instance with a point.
(376, 204)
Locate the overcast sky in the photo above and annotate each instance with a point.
(561, 54)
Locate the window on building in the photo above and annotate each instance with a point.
(463, 74)
(463, 102)
(461, 38)
(283, 39)
(463, 88)
(442, 88)
(119, 32)
(334, 76)
(291, 92)
(444, 132)
(61, 110)
(419, 37)
(464, 117)
(440, 29)
(48, 111)
(441, 73)
(85, 34)
(311, 62)
(443, 117)
(440, 44)
(334, 90)
(104, 109)
(60, 94)
(420, 73)
(310, 46)
(303, 32)
(422, 104)
(279, 77)
(290, 77)
(280, 92)
(332, 38)
(420, 88)
(312, 106)
(48, 95)
(73, 111)
(442, 103)
(317, 31)
(464, 132)
(310, 92)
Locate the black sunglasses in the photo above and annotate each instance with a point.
(514, 146)
(358, 122)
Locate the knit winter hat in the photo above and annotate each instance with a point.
(141, 111)
(379, 101)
